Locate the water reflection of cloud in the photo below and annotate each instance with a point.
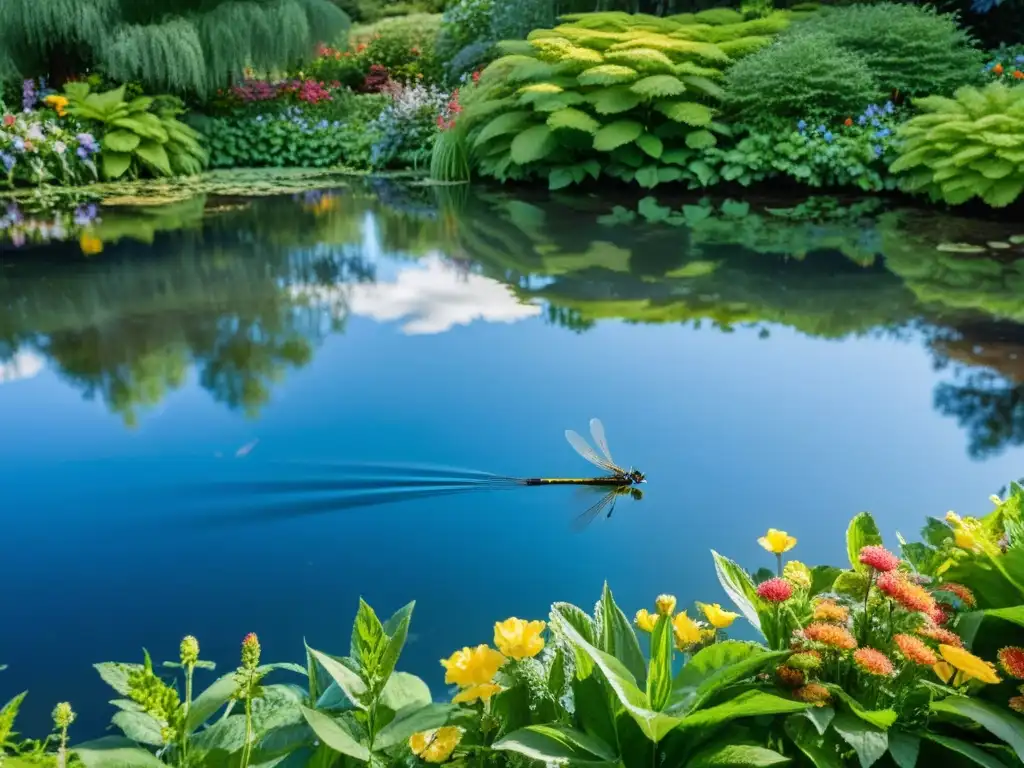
(24, 365)
(434, 297)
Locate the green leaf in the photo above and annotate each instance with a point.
(348, 681)
(1014, 614)
(410, 720)
(822, 579)
(618, 638)
(210, 700)
(616, 134)
(403, 690)
(557, 744)
(734, 580)
(701, 139)
(725, 755)
(870, 743)
(560, 178)
(574, 119)
(106, 102)
(650, 144)
(652, 212)
(688, 112)
(817, 747)
(153, 154)
(114, 164)
(146, 125)
(1003, 192)
(862, 532)
(115, 674)
(115, 752)
(880, 718)
(970, 751)
(606, 74)
(648, 177)
(667, 173)
(575, 616)
(904, 748)
(392, 651)
(367, 639)
(613, 100)
(659, 680)
(998, 721)
(713, 668)
(703, 171)
(140, 727)
(593, 709)
(120, 141)
(532, 145)
(654, 725)
(820, 717)
(748, 704)
(658, 86)
(335, 733)
(704, 85)
(851, 583)
(227, 735)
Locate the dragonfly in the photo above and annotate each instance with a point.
(617, 476)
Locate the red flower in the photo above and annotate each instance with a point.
(1012, 660)
(873, 662)
(998, 69)
(8, 120)
(941, 636)
(962, 592)
(879, 558)
(1018, 75)
(476, 76)
(910, 596)
(775, 590)
(938, 615)
(848, 122)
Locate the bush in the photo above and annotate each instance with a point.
(969, 146)
(605, 92)
(464, 23)
(911, 50)
(405, 46)
(45, 146)
(473, 58)
(801, 77)
(515, 19)
(407, 126)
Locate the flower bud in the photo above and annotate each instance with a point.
(665, 604)
(251, 651)
(189, 651)
(63, 715)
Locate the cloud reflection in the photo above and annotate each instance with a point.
(24, 365)
(433, 297)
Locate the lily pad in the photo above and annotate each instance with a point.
(1016, 239)
(997, 245)
(960, 248)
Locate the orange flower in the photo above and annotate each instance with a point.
(830, 610)
(941, 635)
(962, 592)
(998, 69)
(848, 122)
(813, 693)
(1017, 702)
(916, 651)
(910, 596)
(1018, 75)
(830, 634)
(790, 677)
(1012, 660)
(873, 662)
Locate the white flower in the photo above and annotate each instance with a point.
(59, 147)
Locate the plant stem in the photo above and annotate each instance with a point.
(867, 617)
(62, 750)
(778, 567)
(247, 749)
(189, 668)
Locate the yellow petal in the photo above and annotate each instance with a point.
(944, 671)
(969, 664)
(519, 639)
(777, 542)
(483, 692)
(717, 617)
(645, 620)
(686, 630)
(665, 604)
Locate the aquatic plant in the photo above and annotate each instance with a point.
(968, 146)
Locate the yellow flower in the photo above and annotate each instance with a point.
(90, 244)
(965, 539)
(59, 103)
(437, 745)
(944, 671)
(484, 691)
(953, 518)
(519, 639)
(686, 630)
(777, 542)
(472, 666)
(969, 664)
(665, 604)
(797, 574)
(716, 616)
(645, 620)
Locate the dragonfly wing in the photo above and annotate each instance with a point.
(582, 447)
(597, 431)
(583, 520)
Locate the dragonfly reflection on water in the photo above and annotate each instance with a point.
(401, 482)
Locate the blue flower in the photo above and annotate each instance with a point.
(822, 129)
(1019, 59)
(801, 125)
(878, 151)
(322, 124)
(19, 143)
(259, 118)
(876, 122)
(861, 120)
(9, 161)
(889, 108)
(828, 136)
(82, 152)
(882, 133)
(871, 110)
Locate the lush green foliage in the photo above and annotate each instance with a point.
(405, 46)
(181, 47)
(45, 146)
(911, 50)
(804, 76)
(137, 136)
(971, 145)
(608, 93)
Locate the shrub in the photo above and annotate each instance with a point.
(407, 126)
(969, 146)
(605, 92)
(405, 46)
(472, 58)
(515, 19)
(41, 147)
(910, 49)
(800, 77)
(465, 22)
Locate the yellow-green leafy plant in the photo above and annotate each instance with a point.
(971, 145)
(629, 95)
(143, 134)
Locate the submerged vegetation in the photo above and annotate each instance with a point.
(895, 659)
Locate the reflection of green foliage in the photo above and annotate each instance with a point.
(142, 223)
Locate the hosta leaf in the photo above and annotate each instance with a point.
(154, 155)
(1004, 191)
(607, 74)
(114, 164)
(509, 122)
(574, 119)
(613, 100)
(616, 134)
(704, 85)
(646, 59)
(532, 145)
(658, 86)
(688, 112)
(120, 140)
(701, 139)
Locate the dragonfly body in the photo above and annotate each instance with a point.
(616, 480)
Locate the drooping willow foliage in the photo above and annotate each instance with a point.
(176, 46)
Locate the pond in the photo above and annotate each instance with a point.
(764, 366)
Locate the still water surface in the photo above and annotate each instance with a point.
(784, 370)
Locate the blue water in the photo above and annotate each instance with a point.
(105, 548)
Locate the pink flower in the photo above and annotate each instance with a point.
(775, 590)
(879, 558)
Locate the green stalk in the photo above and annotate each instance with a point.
(189, 668)
(867, 617)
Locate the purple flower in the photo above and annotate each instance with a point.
(82, 152)
(85, 214)
(28, 94)
(88, 143)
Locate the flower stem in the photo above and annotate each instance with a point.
(867, 617)
(189, 668)
(778, 567)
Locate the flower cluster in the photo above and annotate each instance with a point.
(19, 227)
(446, 119)
(689, 634)
(36, 150)
(407, 126)
(1009, 67)
(304, 90)
(473, 670)
(876, 123)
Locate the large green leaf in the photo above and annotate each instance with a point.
(226, 735)
(140, 727)
(870, 743)
(818, 748)
(584, 625)
(617, 134)
(650, 144)
(335, 733)
(655, 725)
(557, 744)
(741, 590)
(367, 639)
(659, 680)
(533, 144)
(689, 112)
(403, 690)
(1014, 614)
(618, 638)
(146, 125)
(748, 704)
(713, 668)
(106, 102)
(348, 681)
(862, 532)
(210, 700)
(573, 119)
(115, 752)
(658, 86)
(880, 718)
(153, 154)
(115, 674)
(503, 124)
(966, 749)
(114, 164)
(410, 720)
(613, 100)
(904, 748)
(593, 709)
(1000, 722)
(822, 578)
(723, 754)
(120, 140)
